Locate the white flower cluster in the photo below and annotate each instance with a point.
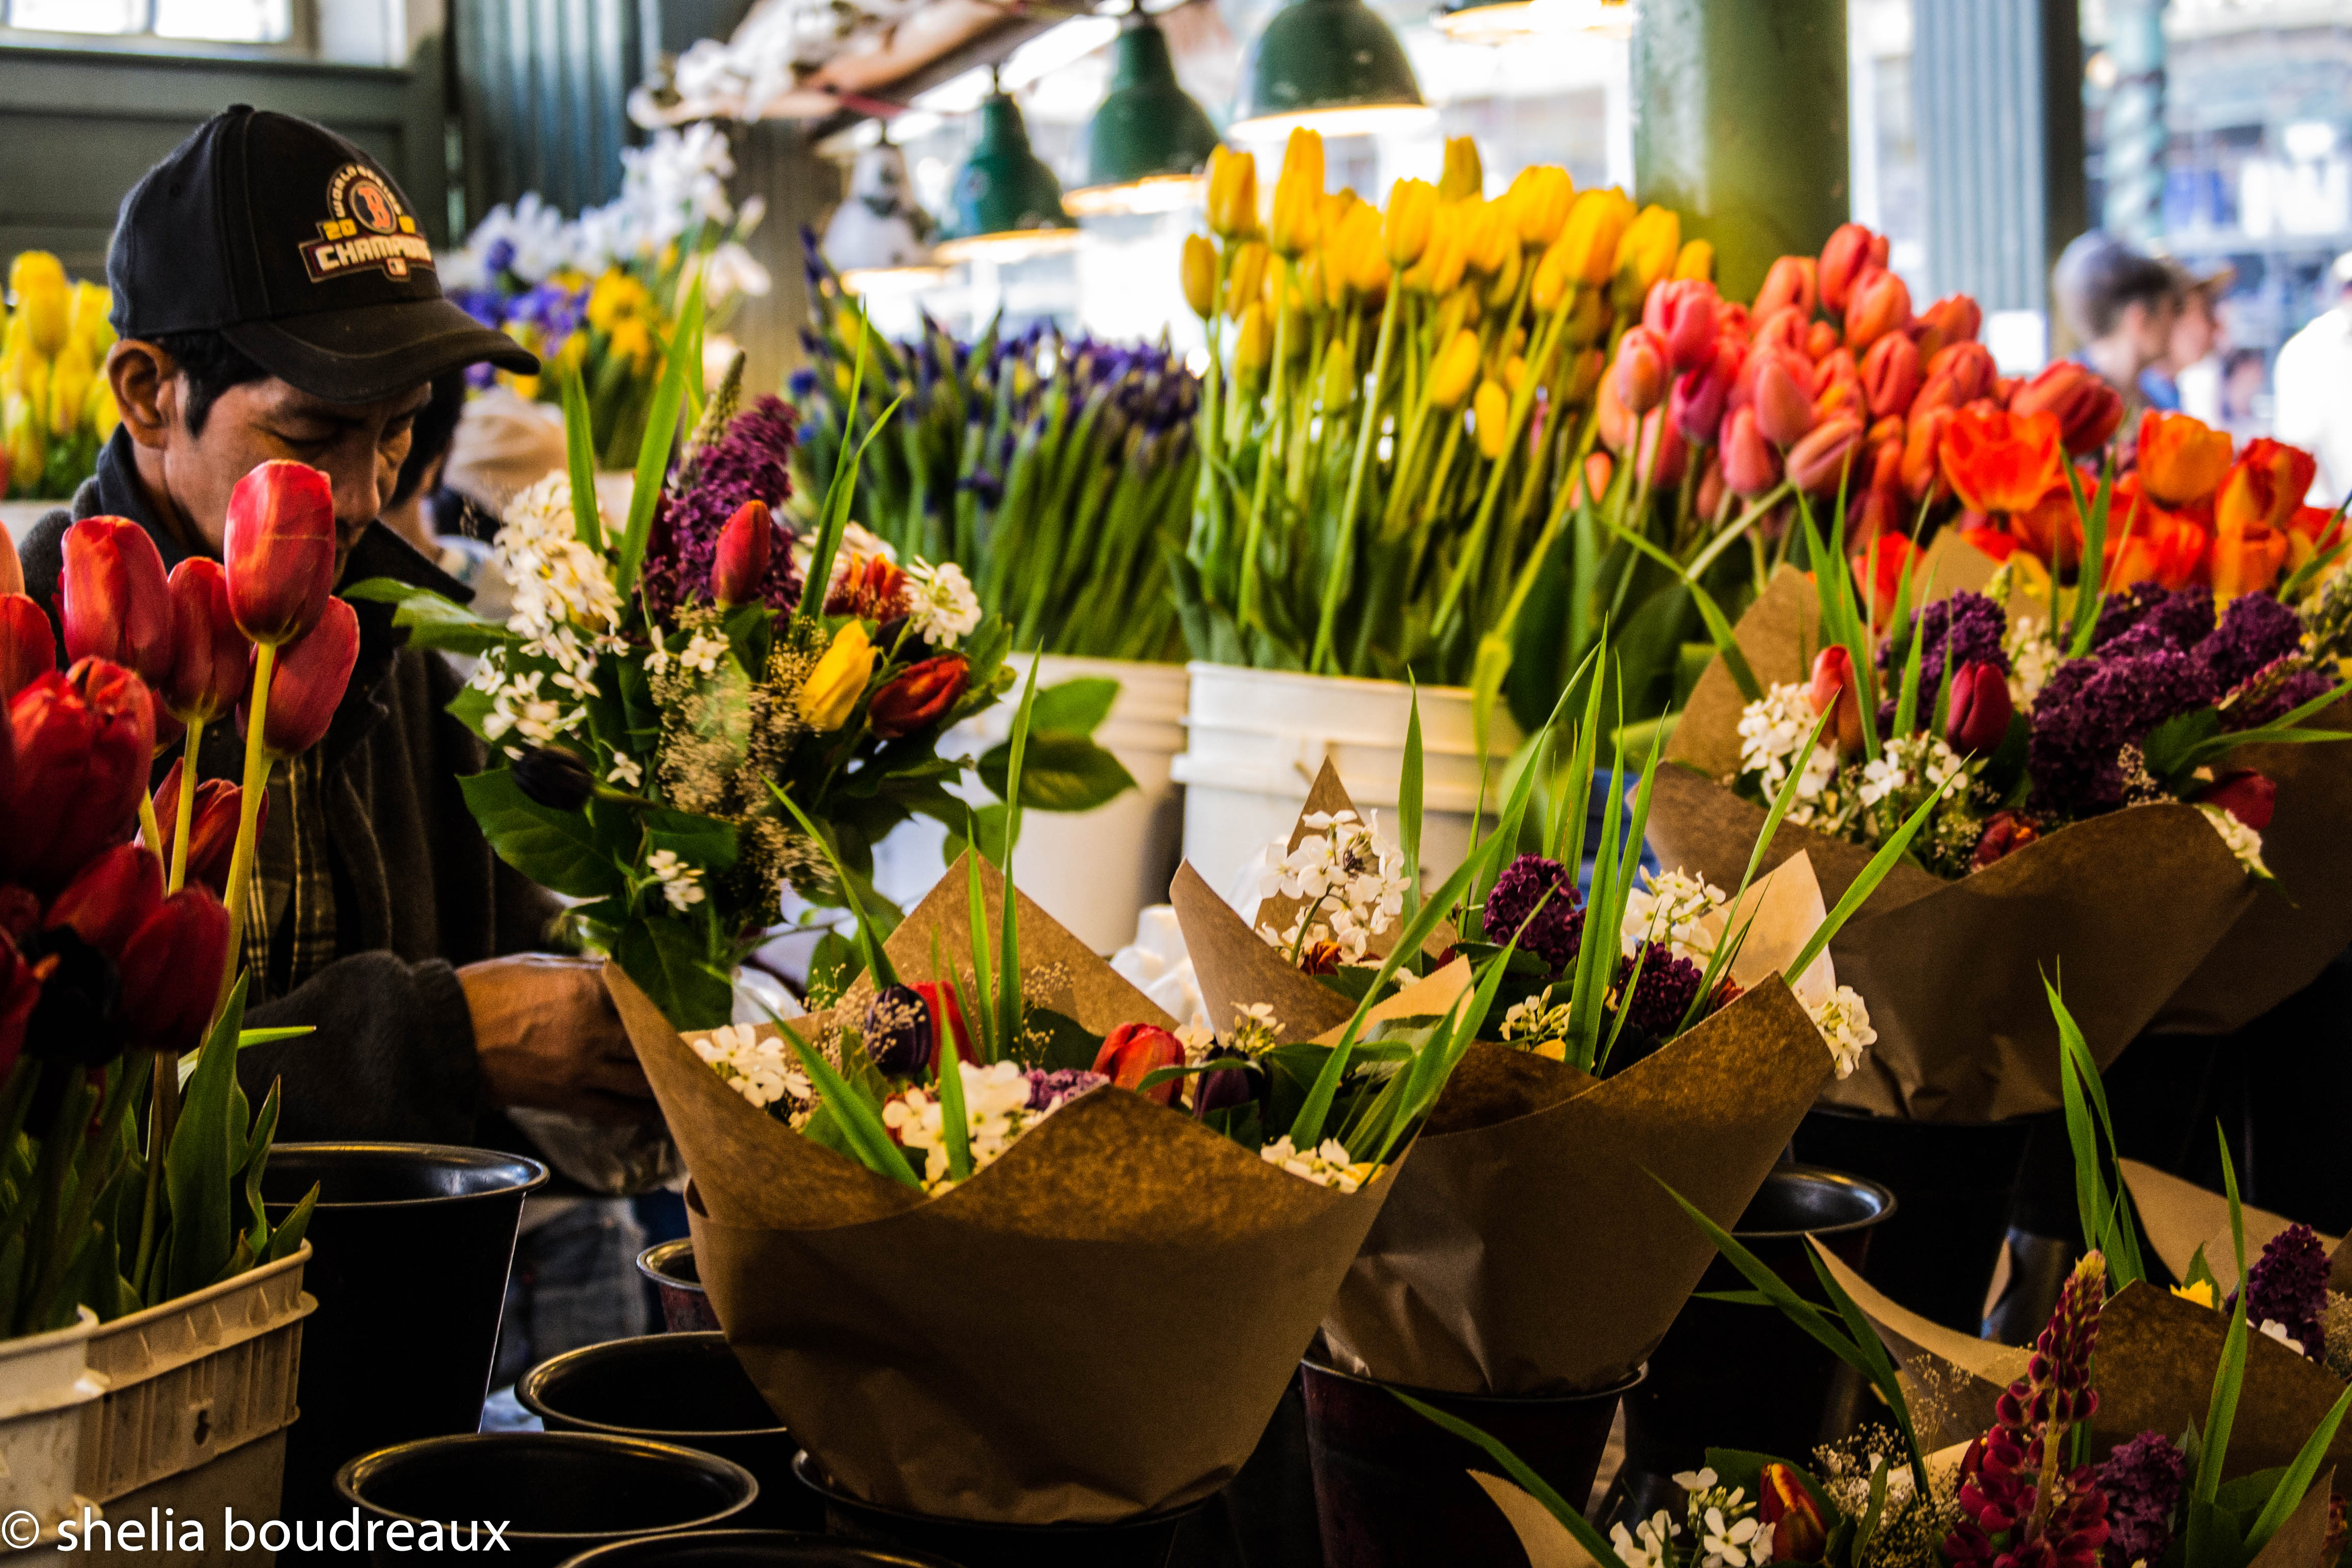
(996, 1112)
(1255, 1029)
(1649, 1544)
(1533, 1023)
(2243, 841)
(1353, 884)
(1906, 760)
(1771, 728)
(1721, 1522)
(940, 603)
(565, 609)
(763, 1070)
(1327, 1164)
(681, 884)
(1843, 1020)
(1671, 908)
(2033, 660)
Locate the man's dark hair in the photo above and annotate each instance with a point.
(212, 365)
(429, 435)
(2098, 276)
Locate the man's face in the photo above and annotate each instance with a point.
(2194, 334)
(358, 446)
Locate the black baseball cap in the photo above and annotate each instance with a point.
(300, 250)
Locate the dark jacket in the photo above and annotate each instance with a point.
(416, 891)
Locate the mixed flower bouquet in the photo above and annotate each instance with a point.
(117, 954)
(1058, 474)
(57, 408)
(596, 297)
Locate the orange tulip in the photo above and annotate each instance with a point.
(1954, 319)
(1878, 304)
(1781, 327)
(1850, 252)
(2146, 542)
(1818, 464)
(2088, 408)
(2248, 559)
(1890, 376)
(2265, 486)
(1923, 440)
(1999, 461)
(2050, 528)
(1794, 281)
(2182, 459)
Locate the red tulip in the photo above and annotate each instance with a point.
(2088, 408)
(2245, 795)
(1880, 303)
(1822, 339)
(918, 696)
(1791, 281)
(1751, 465)
(1684, 313)
(741, 565)
(1992, 544)
(211, 660)
(1784, 406)
(83, 740)
(307, 682)
(2001, 461)
(2265, 486)
(1133, 1051)
(1787, 1512)
(1890, 376)
(170, 972)
(1640, 372)
(1923, 439)
(1883, 510)
(1782, 328)
(109, 897)
(2005, 833)
(1879, 568)
(1833, 686)
(212, 826)
(1699, 397)
(280, 551)
(1956, 376)
(1977, 720)
(112, 600)
(28, 646)
(1852, 251)
(947, 1021)
(1711, 490)
(1818, 464)
(1837, 386)
(1954, 319)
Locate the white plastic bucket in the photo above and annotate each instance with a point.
(1257, 738)
(45, 1382)
(1093, 871)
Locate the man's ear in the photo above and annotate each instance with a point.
(146, 382)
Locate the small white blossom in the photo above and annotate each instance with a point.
(2277, 1330)
(1844, 1022)
(1351, 880)
(996, 1112)
(703, 653)
(1255, 1029)
(681, 884)
(657, 661)
(1671, 909)
(1650, 1543)
(763, 1071)
(1327, 1165)
(2033, 660)
(1733, 1543)
(625, 772)
(941, 602)
(2242, 841)
(1771, 728)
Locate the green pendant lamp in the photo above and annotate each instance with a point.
(1331, 65)
(1006, 205)
(1149, 140)
(1506, 21)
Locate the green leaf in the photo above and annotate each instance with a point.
(1572, 1519)
(1867, 883)
(430, 620)
(669, 962)
(558, 849)
(2170, 745)
(869, 1141)
(832, 964)
(580, 458)
(197, 1171)
(1052, 1041)
(1408, 793)
(703, 841)
(1077, 707)
(1063, 771)
(653, 456)
(869, 946)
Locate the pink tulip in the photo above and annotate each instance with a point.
(1792, 281)
(1699, 396)
(1784, 409)
(1852, 251)
(1640, 372)
(1890, 376)
(1751, 465)
(1818, 464)
(1684, 313)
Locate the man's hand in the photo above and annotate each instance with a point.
(548, 1038)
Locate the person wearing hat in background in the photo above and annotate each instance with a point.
(2188, 379)
(274, 299)
(2121, 304)
(2313, 379)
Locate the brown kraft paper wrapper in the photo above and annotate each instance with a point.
(2182, 1216)
(1097, 1325)
(2129, 904)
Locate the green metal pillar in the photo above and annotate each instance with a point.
(1740, 124)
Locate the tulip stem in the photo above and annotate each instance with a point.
(1368, 422)
(183, 810)
(151, 833)
(1269, 448)
(257, 762)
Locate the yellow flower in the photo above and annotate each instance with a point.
(1587, 247)
(1515, 370)
(1298, 194)
(99, 412)
(1254, 345)
(20, 433)
(2200, 1292)
(1487, 235)
(1503, 283)
(70, 374)
(1365, 259)
(1412, 207)
(1538, 200)
(1244, 278)
(47, 309)
(633, 339)
(91, 302)
(1491, 412)
(1645, 254)
(1200, 273)
(1232, 195)
(1439, 271)
(1456, 368)
(834, 687)
(1696, 263)
(1463, 178)
(1339, 386)
(616, 297)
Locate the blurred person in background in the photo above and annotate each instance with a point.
(2188, 379)
(2244, 373)
(2312, 383)
(2121, 304)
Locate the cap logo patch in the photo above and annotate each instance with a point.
(366, 227)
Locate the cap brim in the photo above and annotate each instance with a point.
(378, 351)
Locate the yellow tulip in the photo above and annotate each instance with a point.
(1696, 262)
(1199, 272)
(1504, 286)
(100, 414)
(1463, 178)
(1338, 382)
(1244, 278)
(1308, 282)
(1460, 310)
(1439, 271)
(35, 269)
(1255, 343)
(1366, 257)
(1491, 414)
(831, 694)
(1645, 254)
(47, 309)
(91, 302)
(36, 390)
(2200, 1292)
(1489, 236)
(70, 374)
(1586, 250)
(1298, 195)
(1514, 371)
(1404, 233)
(1456, 368)
(1232, 195)
(1538, 200)
(20, 433)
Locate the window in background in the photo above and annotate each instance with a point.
(208, 21)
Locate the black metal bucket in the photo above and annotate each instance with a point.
(1787, 1386)
(1393, 1490)
(1147, 1542)
(1954, 1182)
(746, 1549)
(411, 1245)
(687, 1389)
(684, 1305)
(557, 1493)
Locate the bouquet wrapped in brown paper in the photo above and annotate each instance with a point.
(2095, 803)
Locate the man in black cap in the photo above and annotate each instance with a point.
(275, 300)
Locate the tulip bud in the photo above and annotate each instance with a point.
(1296, 223)
(2249, 797)
(1456, 368)
(1683, 316)
(1334, 388)
(2005, 833)
(1837, 386)
(1131, 1051)
(1664, 454)
(113, 597)
(1490, 417)
(1699, 397)
(1244, 278)
(1977, 720)
(1463, 177)
(1817, 465)
(1233, 193)
(27, 646)
(1215, 1091)
(1405, 230)
(1852, 251)
(1640, 372)
(1199, 270)
(1833, 686)
(1784, 409)
(171, 971)
(278, 549)
(557, 779)
(1253, 345)
(830, 692)
(307, 682)
(210, 657)
(1695, 262)
(1503, 284)
(1751, 465)
(1793, 282)
(1890, 376)
(740, 565)
(1878, 303)
(1537, 202)
(1645, 252)
(1922, 442)
(2086, 408)
(108, 897)
(1790, 1517)
(82, 743)
(899, 1037)
(1954, 319)
(1616, 424)
(919, 696)
(212, 827)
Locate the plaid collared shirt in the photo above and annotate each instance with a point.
(290, 913)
